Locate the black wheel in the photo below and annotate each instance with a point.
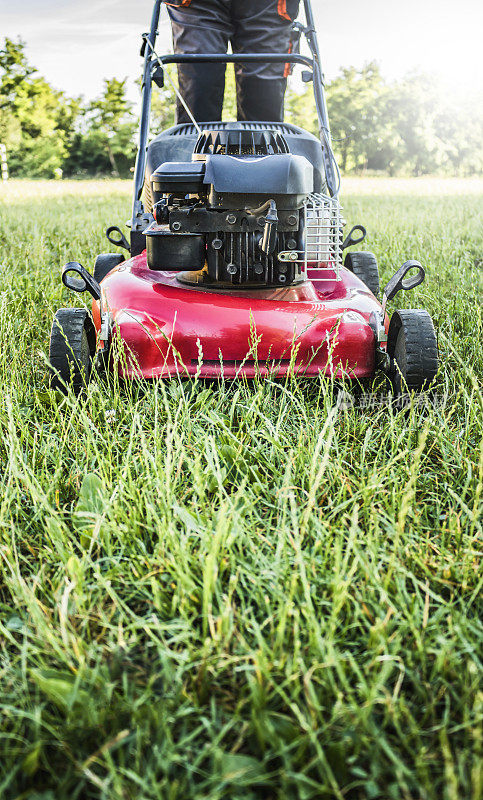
(105, 262)
(364, 265)
(72, 347)
(413, 349)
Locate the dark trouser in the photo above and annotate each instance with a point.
(251, 26)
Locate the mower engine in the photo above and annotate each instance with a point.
(234, 214)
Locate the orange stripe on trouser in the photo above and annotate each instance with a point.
(288, 67)
(282, 10)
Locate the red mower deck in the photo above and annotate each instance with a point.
(317, 326)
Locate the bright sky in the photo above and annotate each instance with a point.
(76, 43)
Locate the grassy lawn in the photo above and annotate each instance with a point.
(240, 591)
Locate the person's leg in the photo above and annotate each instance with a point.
(201, 26)
(262, 26)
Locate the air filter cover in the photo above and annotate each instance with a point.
(178, 178)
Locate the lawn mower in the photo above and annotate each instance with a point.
(236, 258)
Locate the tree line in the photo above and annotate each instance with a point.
(406, 127)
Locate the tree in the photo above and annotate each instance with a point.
(34, 118)
(458, 124)
(112, 119)
(300, 109)
(361, 128)
(163, 108)
(436, 133)
(408, 126)
(14, 74)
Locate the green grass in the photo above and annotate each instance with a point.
(239, 591)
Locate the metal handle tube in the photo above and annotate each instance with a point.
(320, 101)
(313, 43)
(145, 114)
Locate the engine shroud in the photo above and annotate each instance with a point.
(225, 217)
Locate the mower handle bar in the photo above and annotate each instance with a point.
(235, 58)
(150, 58)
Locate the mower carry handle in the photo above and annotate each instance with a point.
(76, 278)
(351, 240)
(413, 280)
(399, 280)
(121, 241)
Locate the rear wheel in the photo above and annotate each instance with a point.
(413, 350)
(104, 263)
(364, 266)
(72, 348)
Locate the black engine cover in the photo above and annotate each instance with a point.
(239, 181)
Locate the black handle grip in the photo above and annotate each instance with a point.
(121, 241)
(236, 58)
(399, 280)
(350, 239)
(76, 278)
